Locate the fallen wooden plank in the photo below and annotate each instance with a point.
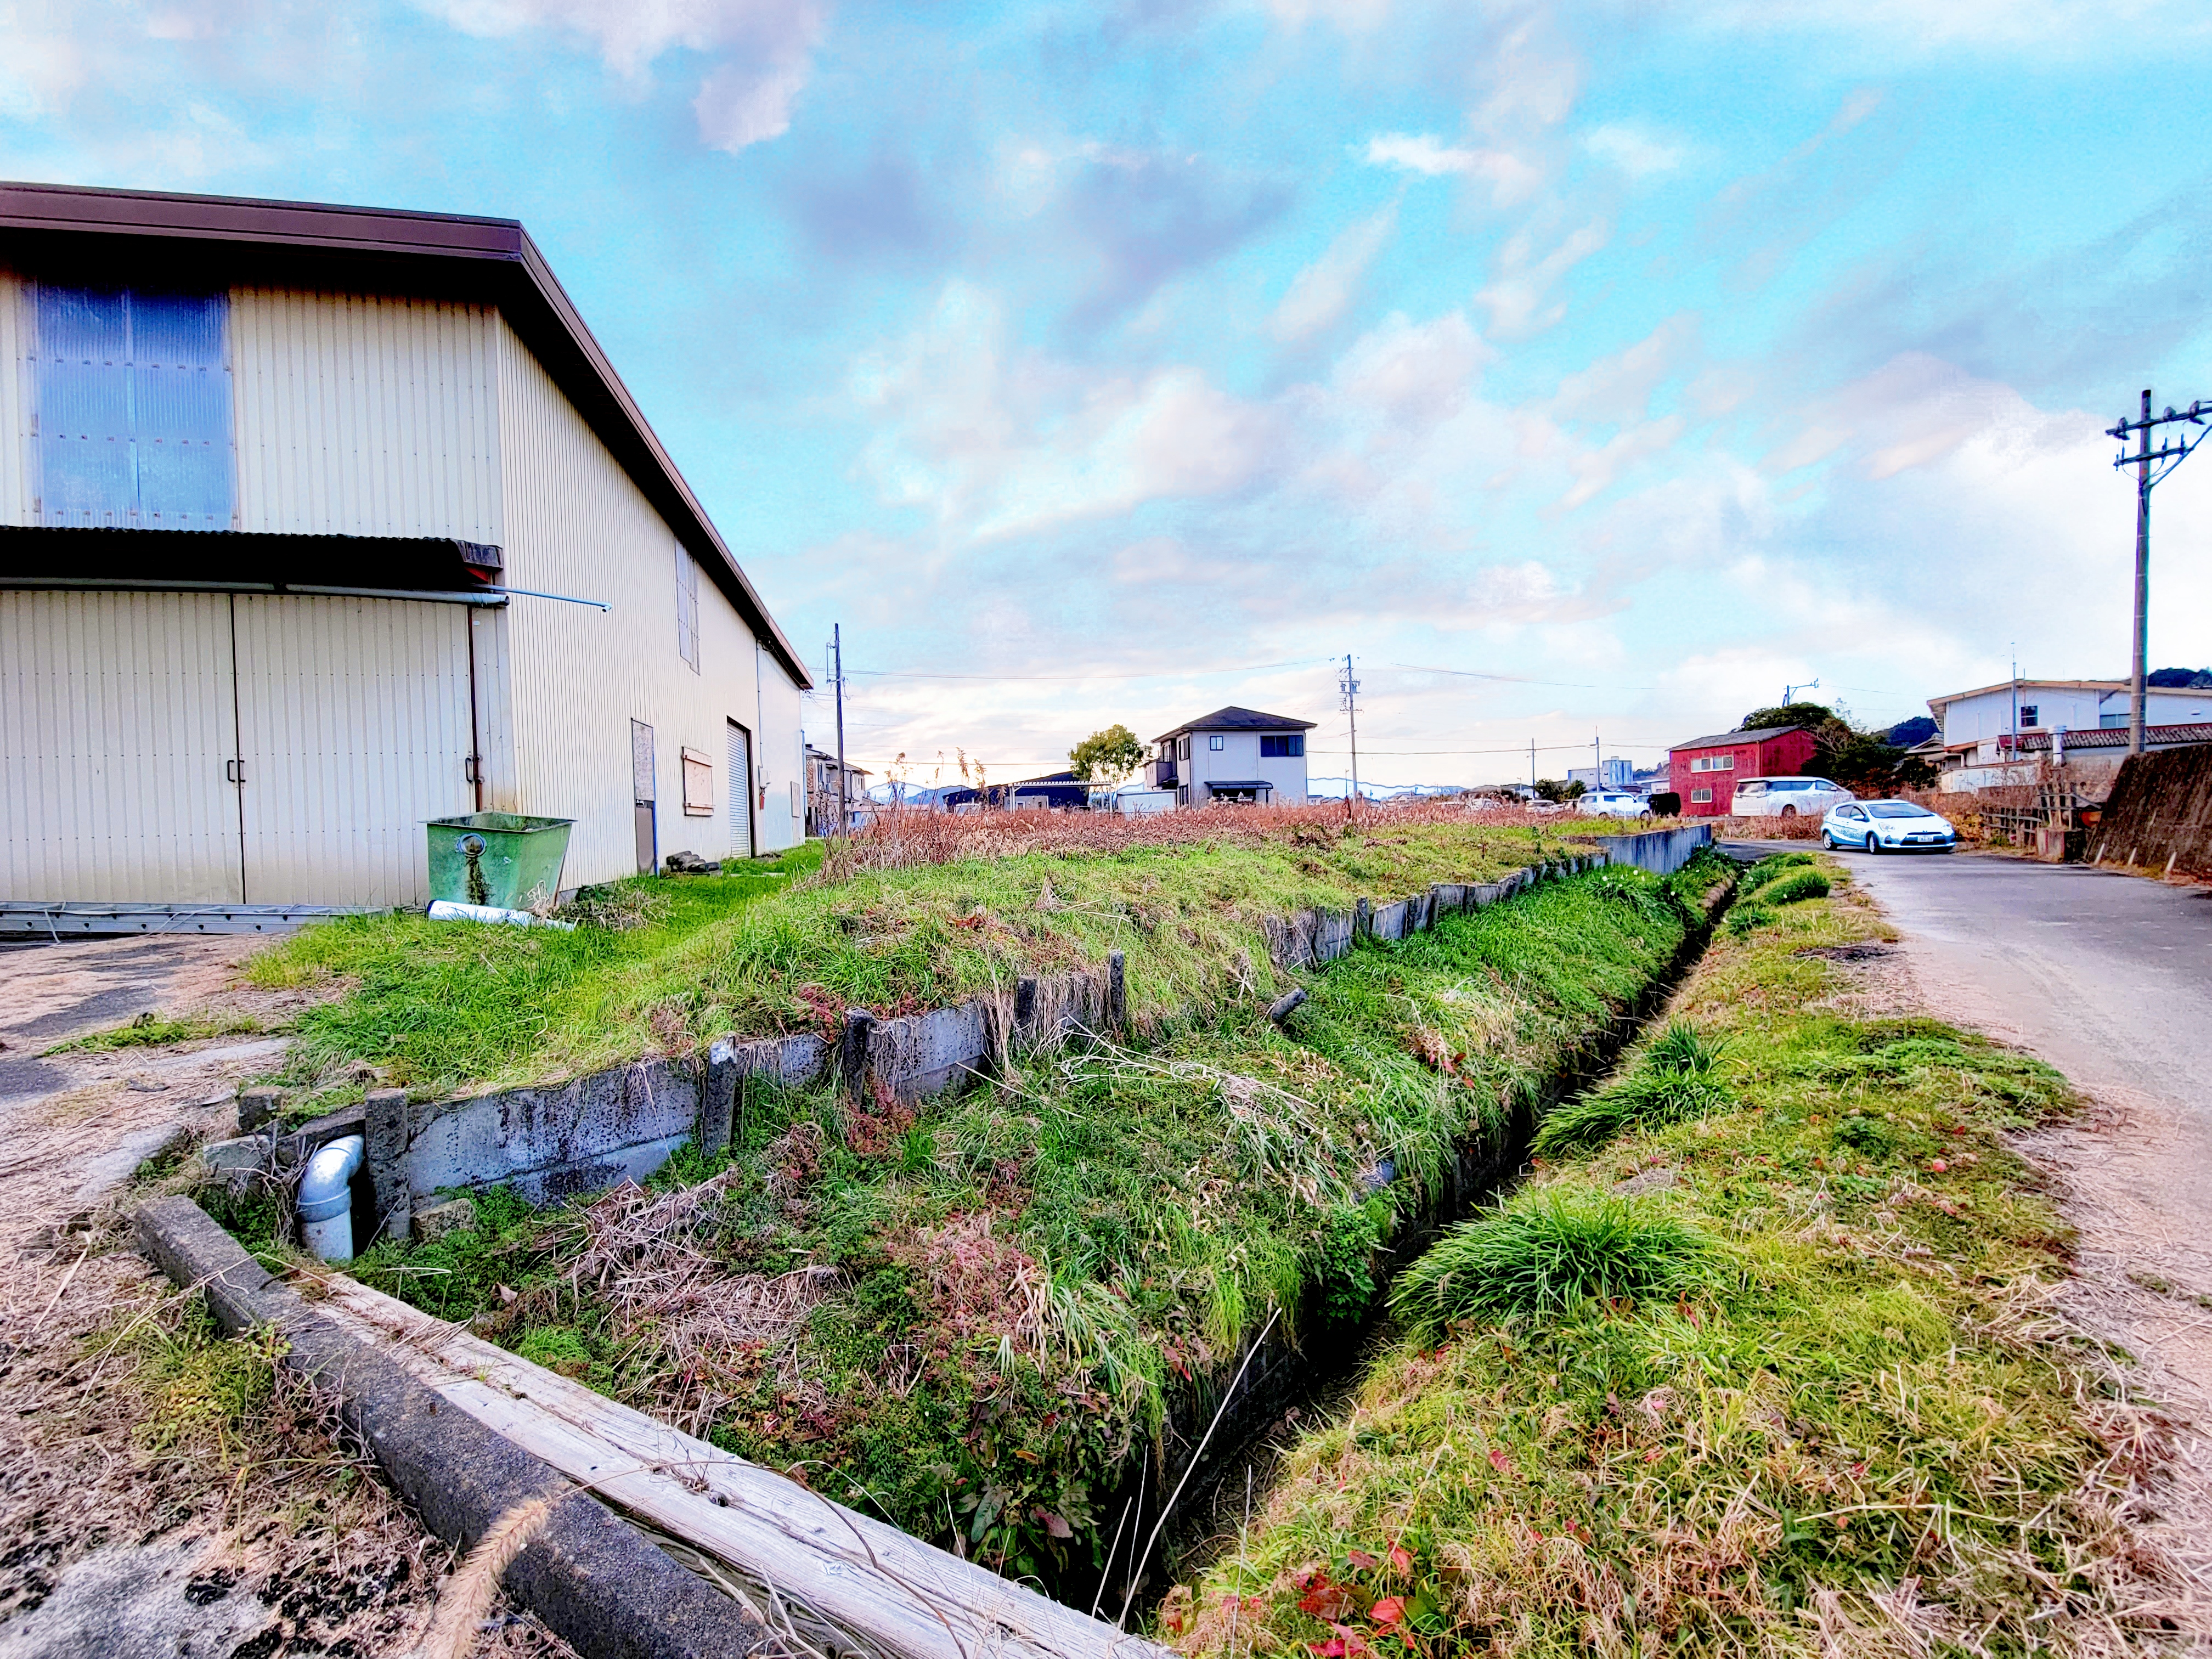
(890, 1592)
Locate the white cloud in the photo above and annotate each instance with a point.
(763, 49)
(1324, 290)
(1616, 390)
(1511, 180)
(1419, 374)
(997, 443)
(1519, 298)
(1352, 16)
(1634, 151)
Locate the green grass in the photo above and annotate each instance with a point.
(151, 1031)
(1675, 1076)
(1551, 1252)
(435, 1007)
(1025, 1278)
(1812, 1400)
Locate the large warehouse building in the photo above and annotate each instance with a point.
(317, 523)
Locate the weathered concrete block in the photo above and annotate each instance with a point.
(1420, 913)
(1388, 921)
(920, 1054)
(1363, 919)
(246, 1153)
(533, 1132)
(435, 1221)
(1451, 897)
(1333, 935)
(717, 1097)
(384, 1158)
(256, 1107)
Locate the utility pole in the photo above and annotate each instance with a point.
(1790, 692)
(2015, 703)
(1351, 688)
(837, 653)
(1597, 758)
(2169, 454)
(1532, 762)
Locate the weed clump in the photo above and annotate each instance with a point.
(1549, 1253)
(1675, 1080)
(1793, 888)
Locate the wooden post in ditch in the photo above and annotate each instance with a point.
(1117, 991)
(1026, 989)
(1363, 918)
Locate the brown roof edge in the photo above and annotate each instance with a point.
(493, 259)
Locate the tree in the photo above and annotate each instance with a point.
(1108, 755)
(1815, 716)
(1552, 789)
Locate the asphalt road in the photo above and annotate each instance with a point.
(2107, 977)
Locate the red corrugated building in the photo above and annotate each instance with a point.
(1704, 771)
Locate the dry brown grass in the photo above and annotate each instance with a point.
(126, 1421)
(902, 839)
(700, 1333)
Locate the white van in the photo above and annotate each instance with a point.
(1787, 797)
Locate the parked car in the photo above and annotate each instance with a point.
(1614, 804)
(1887, 826)
(1787, 797)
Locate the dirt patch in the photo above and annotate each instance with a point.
(147, 1506)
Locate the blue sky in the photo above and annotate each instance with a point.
(1136, 356)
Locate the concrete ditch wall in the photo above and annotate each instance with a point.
(556, 1141)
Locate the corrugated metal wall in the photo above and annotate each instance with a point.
(353, 721)
(116, 734)
(576, 524)
(15, 414)
(362, 415)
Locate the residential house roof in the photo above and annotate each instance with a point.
(1730, 739)
(1233, 718)
(2116, 737)
(384, 249)
(1936, 704)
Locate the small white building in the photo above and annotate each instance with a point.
(316, 523)
(1232, 754)
(2000, 735)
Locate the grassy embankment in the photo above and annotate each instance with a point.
(1803, 1393)
(435, 1007)
(968, 1316)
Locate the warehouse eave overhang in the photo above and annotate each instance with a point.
(380, 250)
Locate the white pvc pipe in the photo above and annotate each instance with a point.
(447, 910)
(326, 1198)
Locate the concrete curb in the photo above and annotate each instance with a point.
(592, 1579)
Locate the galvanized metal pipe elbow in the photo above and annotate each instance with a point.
(327, 1198)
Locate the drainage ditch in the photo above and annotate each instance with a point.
(1281, 1383)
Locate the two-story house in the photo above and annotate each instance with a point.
(1233, 753)
(319, 522)
(2002, 733)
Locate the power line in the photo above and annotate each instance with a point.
(1079, 679)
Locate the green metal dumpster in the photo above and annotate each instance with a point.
(503, 859)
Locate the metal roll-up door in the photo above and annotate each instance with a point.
(740, 792)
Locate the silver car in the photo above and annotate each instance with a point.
(1613, 804)
(1887, 826)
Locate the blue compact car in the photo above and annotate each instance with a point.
(1886, 826)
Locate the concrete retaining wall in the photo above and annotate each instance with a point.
(554, 1142)
(1662, 852)
(2159, 815)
